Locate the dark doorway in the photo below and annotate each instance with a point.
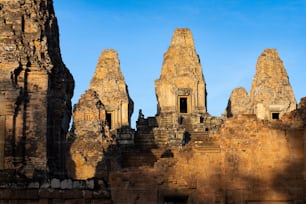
(275, 116)
(109, 120)
(175, 200)
(183, 105)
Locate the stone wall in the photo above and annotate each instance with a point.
(248, 160)
(55, 191)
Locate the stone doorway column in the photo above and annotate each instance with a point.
(2, 140)
(304, 153)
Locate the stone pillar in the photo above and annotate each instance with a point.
(305, 153)
(2, 139)
(2, 130)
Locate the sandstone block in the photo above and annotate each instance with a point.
(55, 183)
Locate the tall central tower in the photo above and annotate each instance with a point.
(181, 87)
(180, 90)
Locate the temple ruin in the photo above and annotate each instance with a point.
(254, 153)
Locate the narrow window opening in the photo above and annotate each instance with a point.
(183, 105)
(275, 116)
(109, 120)
(201, 119)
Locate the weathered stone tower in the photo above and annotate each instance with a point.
(35, 89)
(181, 92)
(181, 87)
(271, 94)
(108, 82)
(101, 118)
(89, 138)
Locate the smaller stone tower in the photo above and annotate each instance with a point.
(271, 94)
(101, 119)
(108, 82)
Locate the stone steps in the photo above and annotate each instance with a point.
(165, 122)
(161, 139)
(138, 158)
(145, 139)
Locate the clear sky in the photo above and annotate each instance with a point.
(229, 36)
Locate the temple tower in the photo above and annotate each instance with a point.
(35, 89)
(109, 83)
(271, 94)
(181, 87)
(101, 120)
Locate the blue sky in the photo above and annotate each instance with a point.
(229, 36)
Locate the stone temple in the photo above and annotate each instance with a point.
(255, 153)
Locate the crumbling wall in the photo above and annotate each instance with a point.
(90, 144)
(248, 160)
(55, 191)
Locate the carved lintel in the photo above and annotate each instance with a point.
(184, 92)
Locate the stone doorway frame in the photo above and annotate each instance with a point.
(186, 107)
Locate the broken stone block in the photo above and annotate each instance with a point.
(55, 183)
(66, 184)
